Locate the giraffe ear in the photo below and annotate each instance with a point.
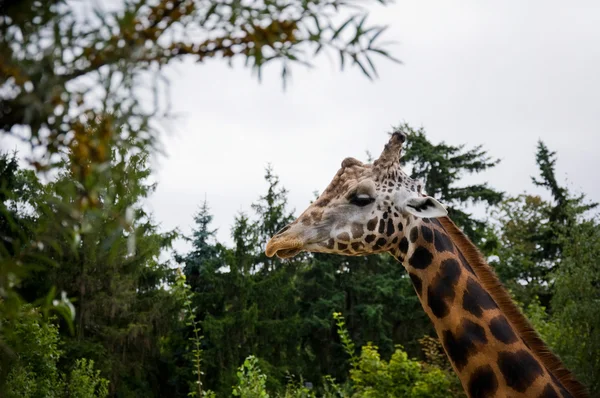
(425, 206)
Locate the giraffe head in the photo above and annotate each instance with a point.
(363, 210)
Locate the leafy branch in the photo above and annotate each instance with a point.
(347, 342)
(196, 340)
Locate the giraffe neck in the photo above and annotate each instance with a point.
(488, 351)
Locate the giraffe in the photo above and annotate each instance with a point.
(377, 208)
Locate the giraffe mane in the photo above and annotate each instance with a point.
(492, 284)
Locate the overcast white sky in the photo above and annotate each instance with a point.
(501, 74)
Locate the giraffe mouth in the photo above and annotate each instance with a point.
(287, 253)
(283, 248)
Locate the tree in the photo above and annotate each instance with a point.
(79, 84)
(112, 267)
(272, 216)
(85, 90)
(566, 207)
(204, 251)
(575, 310)
(245, 245)
(377, 299)
(529, 229)
(47, 46)
(243, 305)
(227, 311)
(201, 289)
(570, 327)
(33, 368)
(441, 166)
(18, 188)
(520, 261)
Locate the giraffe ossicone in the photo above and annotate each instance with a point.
(376, 208)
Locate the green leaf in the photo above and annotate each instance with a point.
(376, 35)
(360, 65)
(371, 65)
(339, 30)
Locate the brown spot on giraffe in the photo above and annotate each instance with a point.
(414, 234)
(426, 234)
(316, 215)
(372, 223)
(373, 208)
(344, 237)
(357, 230)
(382, 225)
(463, 343)
(482, 383)
(502, 331)
(442, 290)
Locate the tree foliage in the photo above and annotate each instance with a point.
(521, 261)
(400, 377)
(84, 87)
(32, 371)
(529, 231)
(78, 82)
(109, 264)
(566, 207)
(64, 67)
(369, 376)
(576, 313)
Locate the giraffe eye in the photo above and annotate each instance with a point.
(361, 200)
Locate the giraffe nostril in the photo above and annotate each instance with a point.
(282, 230)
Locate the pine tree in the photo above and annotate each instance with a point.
(520, 260)
(566, 208)
(17, 225)
(245, 304)
(274, 287)
(227, 310)
(575, 310)
(377, 299)
(112, 268)
(529, 231)
(204, 247)
(245, 243)
(272, 215)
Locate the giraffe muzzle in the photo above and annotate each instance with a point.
(283, 246)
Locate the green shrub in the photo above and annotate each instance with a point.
(400, 377)
(85, 382)
(252, 381)
(34, 347)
